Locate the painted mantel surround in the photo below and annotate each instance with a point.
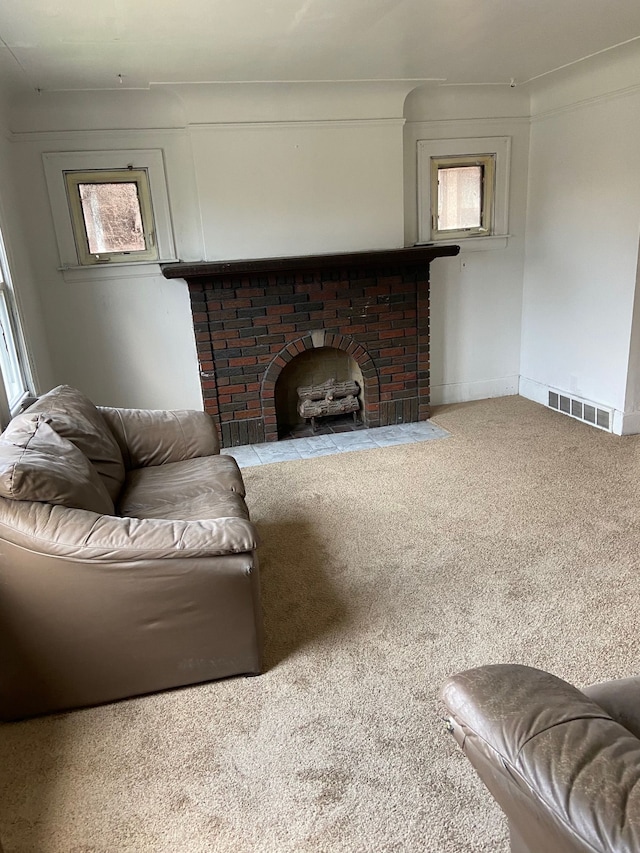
(252, 317)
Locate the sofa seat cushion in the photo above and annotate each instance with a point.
(208, 487)
(37, 464)
(74, 417)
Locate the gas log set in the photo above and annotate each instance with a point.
(328, 398)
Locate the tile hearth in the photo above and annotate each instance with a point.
(249, 455)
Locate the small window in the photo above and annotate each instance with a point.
(109, 208)
(111, 215)
(462, 191)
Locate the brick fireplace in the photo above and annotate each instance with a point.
(253, 318)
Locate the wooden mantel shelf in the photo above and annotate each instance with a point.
(404, 258)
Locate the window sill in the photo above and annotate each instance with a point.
(110, 272)
(473, 244)
(19, 405)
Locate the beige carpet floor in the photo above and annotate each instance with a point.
(383, 571)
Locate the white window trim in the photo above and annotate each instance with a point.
(17, 355)
(57, 163)
(474, 147)
(138, 177)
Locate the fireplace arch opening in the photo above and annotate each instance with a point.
(315, 367)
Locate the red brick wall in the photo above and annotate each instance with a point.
(249, 327)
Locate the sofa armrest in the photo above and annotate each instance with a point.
(58, 531)
(77, 632)
(153, 437)
(566, 775)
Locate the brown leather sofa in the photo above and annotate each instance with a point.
(127, 557)
(564, 765)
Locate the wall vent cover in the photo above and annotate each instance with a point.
(582, 410)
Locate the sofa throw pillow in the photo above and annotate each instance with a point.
(37, 464)
(73, 416)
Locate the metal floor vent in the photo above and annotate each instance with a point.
(581, 410)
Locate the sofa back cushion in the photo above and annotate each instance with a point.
(74, 417)
(37, 464)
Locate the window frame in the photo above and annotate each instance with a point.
(469, 150)
(57, 163)
(487, 163)
(17, 360)
(140, 177)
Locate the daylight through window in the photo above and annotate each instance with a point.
(12, 365)
(111, 215)
(459, 197)
(462, 196)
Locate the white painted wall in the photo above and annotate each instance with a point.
(268, 170)
(296, 169)
(252, 172)
(258, 171)
(583, 229)
(124, 336)
(476, 298)
(299, 189)
(631, 417)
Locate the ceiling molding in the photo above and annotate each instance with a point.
(54, 136)
(583, 103)
(276, 125)
(459, 123)
(575, 62)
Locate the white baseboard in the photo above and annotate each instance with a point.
(535, 391)
(626, 423)
(463, 392)
(623, 423)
